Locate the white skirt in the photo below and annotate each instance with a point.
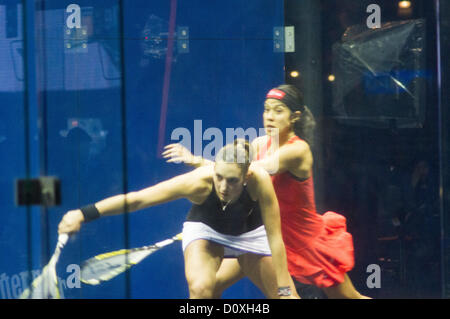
(254, 241)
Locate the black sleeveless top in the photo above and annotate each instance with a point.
(237, 218)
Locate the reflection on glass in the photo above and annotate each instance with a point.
(371, 88)
(15, 254)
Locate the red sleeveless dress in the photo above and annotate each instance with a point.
(319, 248)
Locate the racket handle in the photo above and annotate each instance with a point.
(62, 239)
(169, 241)
(178, 237)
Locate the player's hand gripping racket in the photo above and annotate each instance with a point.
(106, 266)
(46, 286)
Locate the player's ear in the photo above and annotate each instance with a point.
(295, 116)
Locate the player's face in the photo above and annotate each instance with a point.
(228, 181)
(277, 117)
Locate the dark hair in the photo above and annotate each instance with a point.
(304, 127)
(238, 152)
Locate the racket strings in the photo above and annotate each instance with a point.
(106, 266)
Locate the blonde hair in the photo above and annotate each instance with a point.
(239, 152)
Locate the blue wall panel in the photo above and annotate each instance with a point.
(15, 252)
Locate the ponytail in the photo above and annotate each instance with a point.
(304, 127)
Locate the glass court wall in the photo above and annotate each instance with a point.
(370, 72)
(92, 90)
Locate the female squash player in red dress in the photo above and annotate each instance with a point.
(319, 248)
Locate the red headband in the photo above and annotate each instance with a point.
(276, 94)
(291, 102)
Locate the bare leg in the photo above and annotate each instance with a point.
(229, 273)
(261, 272)
(202, 260)
(345, 290)
(257, 268)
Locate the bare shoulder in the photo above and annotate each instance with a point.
(258, 182)
(256, 171)
(300, 148)
(301, 158)
(202, 178)
(194, 185)
(257, 175)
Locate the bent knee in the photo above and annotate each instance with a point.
(201, 289)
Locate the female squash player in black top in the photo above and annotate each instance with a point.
(235, 213)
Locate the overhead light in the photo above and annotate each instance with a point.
(295, 74)
(331, 78)
(404, 4)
